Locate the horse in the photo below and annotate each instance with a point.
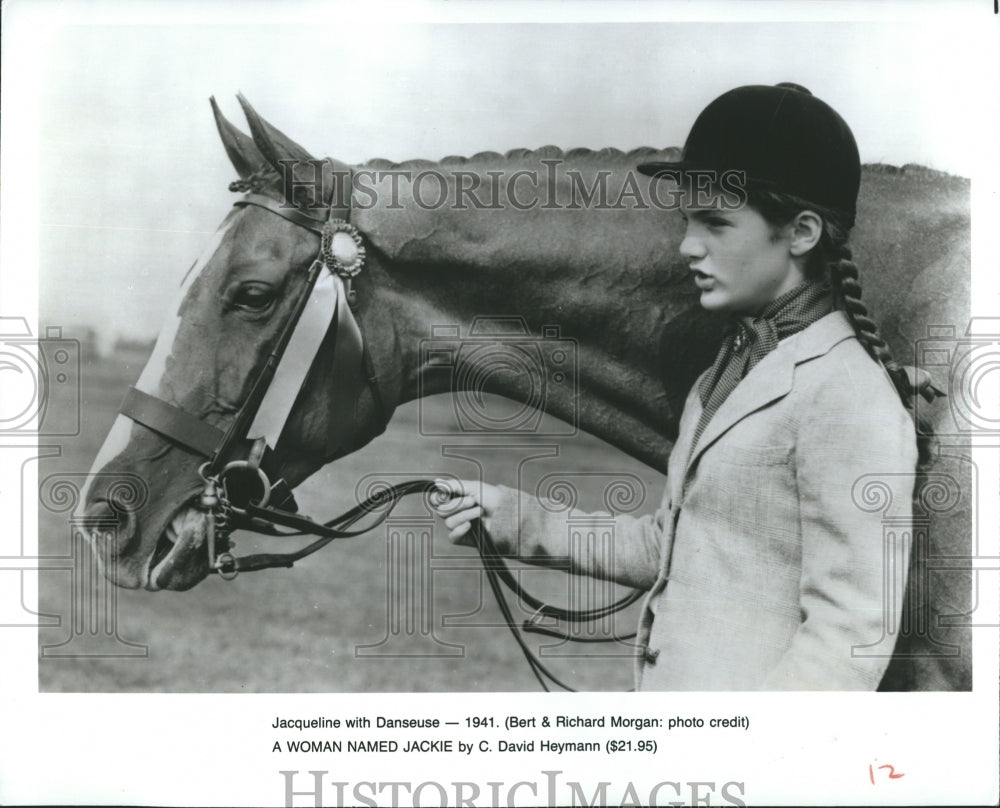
(560, 248)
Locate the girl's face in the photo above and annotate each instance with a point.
(738, 263)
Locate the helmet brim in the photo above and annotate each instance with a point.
(661, 170)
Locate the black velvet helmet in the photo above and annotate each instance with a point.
(783, 137)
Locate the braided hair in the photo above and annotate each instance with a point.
(831, 262)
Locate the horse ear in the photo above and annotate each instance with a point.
(243, 153)
(273, 144)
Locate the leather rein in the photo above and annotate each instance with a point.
(238, 491)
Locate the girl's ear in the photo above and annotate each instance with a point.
(807, 228)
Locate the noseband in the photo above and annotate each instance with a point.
(244, 451)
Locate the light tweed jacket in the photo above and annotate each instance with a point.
(763, 570)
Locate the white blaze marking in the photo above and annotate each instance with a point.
(149, 380)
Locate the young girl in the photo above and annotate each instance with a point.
(764, 568)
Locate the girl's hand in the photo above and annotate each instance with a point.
(468, 500)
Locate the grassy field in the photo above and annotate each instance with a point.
(327, 625)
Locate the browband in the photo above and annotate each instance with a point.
(339, 207)
(292, 214)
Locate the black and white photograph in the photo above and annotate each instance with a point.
(499, 403)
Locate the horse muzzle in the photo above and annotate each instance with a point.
(151, 547)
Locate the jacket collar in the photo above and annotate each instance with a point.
(768, 381)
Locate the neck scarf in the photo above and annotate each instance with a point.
(750, 339)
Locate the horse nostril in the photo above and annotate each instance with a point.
(109, 527)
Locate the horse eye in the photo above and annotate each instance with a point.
(253, 296)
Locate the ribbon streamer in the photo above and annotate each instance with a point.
(297, 359)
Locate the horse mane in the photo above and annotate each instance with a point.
(512, 155)
(668, 153)
(504, 236)
(269, 178)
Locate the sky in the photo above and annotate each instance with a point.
(132, 176)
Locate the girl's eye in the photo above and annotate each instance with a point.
(706, 220)
(253, 296)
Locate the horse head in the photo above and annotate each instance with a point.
(233, 312)
(429, 265)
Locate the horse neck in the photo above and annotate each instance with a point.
(596, 284)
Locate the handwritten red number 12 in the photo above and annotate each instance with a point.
(893, 774)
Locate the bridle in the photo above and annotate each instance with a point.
(240, 459)
(238, 491)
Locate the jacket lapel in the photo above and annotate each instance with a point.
(680, 454)
(770, 380)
